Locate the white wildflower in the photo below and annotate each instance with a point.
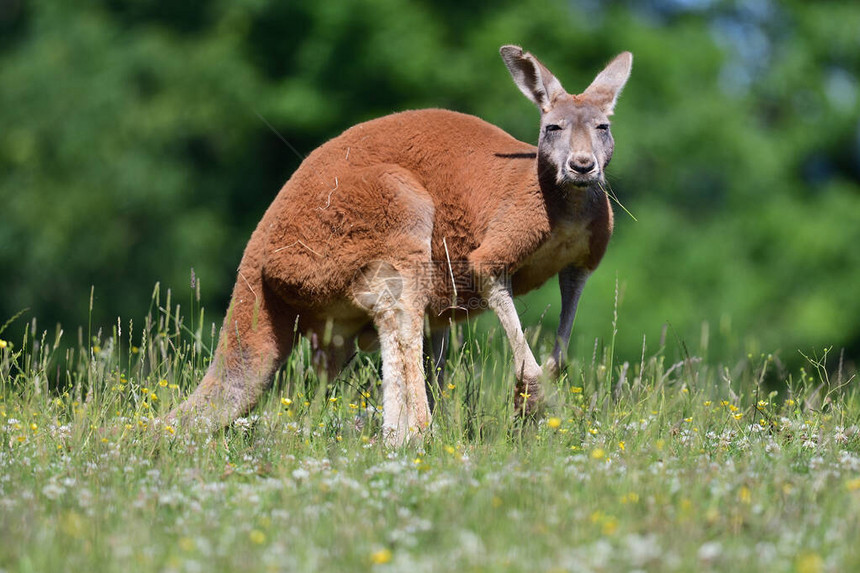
(53, 490)
(600, 554)
(839, 435)
(710, 551)
(643, 549)
(300, 474)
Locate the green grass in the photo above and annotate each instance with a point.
(650, 464)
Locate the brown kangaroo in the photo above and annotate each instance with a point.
(418, 211)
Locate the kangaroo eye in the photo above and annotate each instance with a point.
(552, 127)
(603, 126)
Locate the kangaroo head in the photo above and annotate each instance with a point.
(575, 143)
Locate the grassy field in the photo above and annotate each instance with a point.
(638, 464)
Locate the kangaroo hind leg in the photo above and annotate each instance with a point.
(405, 410)
(394, 290)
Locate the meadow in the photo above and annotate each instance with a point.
(648, 463)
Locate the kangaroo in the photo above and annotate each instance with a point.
(426, 211)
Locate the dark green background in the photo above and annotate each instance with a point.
(134, 147)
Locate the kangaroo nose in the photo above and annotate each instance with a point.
(581, 163)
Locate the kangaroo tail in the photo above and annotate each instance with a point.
(255, 340)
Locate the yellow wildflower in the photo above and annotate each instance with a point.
(257, 537)
(554, 423)
(809, 563)
(610, 526)
(380, 557)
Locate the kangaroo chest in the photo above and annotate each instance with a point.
(568, 243)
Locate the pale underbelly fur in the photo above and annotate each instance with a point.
(569, 244)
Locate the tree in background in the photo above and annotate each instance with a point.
(141, 139)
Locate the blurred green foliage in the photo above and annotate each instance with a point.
(140, 139)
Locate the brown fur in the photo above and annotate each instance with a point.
(409, 200)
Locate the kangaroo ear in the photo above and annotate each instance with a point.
(607, 85)
(534, 80)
